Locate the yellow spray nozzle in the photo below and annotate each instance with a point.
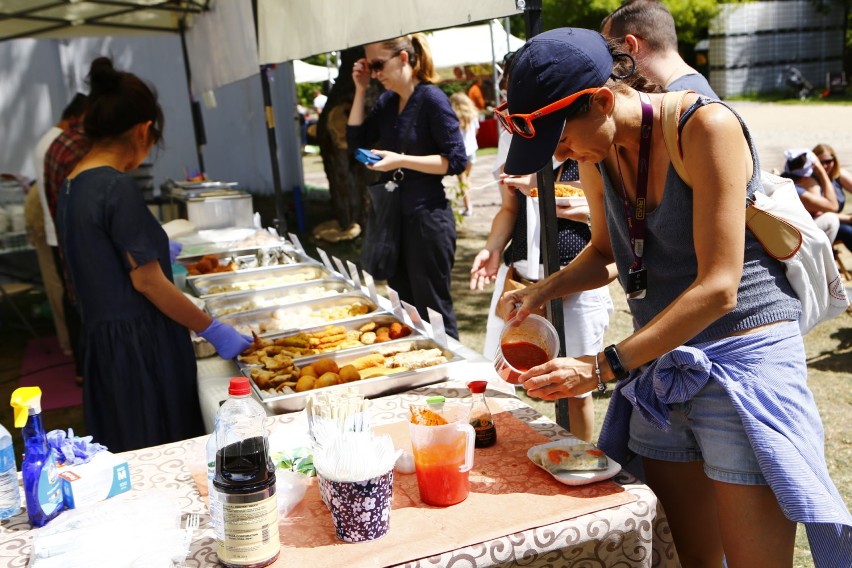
(24, 399)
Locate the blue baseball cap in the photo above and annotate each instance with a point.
(549, 67)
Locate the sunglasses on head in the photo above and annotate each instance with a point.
(522, 124)
(378, 64)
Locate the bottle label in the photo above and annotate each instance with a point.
(49, 488)
(250, 532)
(7, 458)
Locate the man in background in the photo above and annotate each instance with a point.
(63, 154)
(475, 93)
(648, 31)
(40, 227)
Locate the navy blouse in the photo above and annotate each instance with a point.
(435, 130)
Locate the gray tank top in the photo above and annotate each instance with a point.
(764, 294)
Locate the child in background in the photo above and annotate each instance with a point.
(468, 116)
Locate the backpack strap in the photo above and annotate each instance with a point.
(671, 109)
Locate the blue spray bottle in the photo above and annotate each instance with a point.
(42, 487)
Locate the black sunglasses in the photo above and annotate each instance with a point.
(827, 161)
(378, 64)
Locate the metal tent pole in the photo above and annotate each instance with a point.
(547, 215)
(195, 106)
(280, 222)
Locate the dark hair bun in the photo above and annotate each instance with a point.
(103, 77)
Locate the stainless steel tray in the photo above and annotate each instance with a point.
(299, 315)
(379, 318)
(369, 388)
(228, 304)
(209, 285)
(251, 258)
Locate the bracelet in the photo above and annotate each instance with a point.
(614, 362)
(601, 384)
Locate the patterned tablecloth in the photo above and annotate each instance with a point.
(635, 534)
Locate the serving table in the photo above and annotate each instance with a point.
(634, 533)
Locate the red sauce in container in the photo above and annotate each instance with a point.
(523, 355)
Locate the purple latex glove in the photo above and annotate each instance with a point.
(174, 250)
(228, 341)
(69, 449)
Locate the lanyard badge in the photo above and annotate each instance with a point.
(637, 278)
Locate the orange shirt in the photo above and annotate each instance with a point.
(475, 94)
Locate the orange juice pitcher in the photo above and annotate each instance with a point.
(443, 456)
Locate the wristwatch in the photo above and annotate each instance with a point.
(614, 361)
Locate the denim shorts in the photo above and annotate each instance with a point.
(706, 428)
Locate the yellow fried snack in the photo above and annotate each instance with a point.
(326, 380)
(325, 365)
(309, 370)
(370, 326)
(348, 374)
(381, 371)
(372, 360)
(305, 383)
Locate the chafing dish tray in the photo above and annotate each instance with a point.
(338, 336)
(242, 260)
(300, 315)
(227, 304)
(380, 384)
(259, 279)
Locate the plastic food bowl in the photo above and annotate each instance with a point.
(534, 329)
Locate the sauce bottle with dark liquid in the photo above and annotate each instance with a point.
(480, 416)
(244, 482)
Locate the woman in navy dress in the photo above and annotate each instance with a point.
(139, 367)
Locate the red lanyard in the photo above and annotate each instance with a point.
(636, 215)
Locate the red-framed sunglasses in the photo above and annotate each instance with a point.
(522, 124)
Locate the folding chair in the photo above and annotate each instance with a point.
(7, 292)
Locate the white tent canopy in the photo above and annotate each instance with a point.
(324, 25)
(470, 45)
(308, 73)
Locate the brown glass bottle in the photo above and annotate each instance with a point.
(480, 415)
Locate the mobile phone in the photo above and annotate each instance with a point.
(366, 156)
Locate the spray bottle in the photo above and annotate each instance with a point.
(42, 487)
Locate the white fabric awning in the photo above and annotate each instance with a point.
(293, 29)
(308, 73)
(470, 45)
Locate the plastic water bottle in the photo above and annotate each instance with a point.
(244, 482)
(10, 492)
(212, 497)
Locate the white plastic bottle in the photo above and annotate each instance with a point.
(10, 492)
(245, 482)
(212, 499)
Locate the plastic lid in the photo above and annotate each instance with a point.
(239, 386)
(437, 399)
(477, 387)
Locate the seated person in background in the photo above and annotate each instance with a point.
(814, 189)
(841, 179)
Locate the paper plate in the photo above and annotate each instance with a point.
(575, 477)
(572, 201)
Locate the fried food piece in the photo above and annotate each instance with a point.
(325, 365)
(424, 416)
(417, 358)
(327, 380)
(299, 340)
(382, 334)
(332, 339)
(348, 374)
(262, 378)
(398, 330)
(368, 338)
(369, 326)
(305, 383)
(308, 370)
(372, 360)
(378, 372)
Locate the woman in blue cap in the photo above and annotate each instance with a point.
(714, 397)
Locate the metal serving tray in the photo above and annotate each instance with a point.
(208, 285)
(369, 388)
(228, 304)
(297, 316)
(247, 258)
(380, 318)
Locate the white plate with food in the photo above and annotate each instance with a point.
(573, 461)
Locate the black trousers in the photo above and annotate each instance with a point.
(426, 262)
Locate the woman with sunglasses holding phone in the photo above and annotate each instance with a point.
(712, 391)
(140, 384)
(415, 131)
(841, 179)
